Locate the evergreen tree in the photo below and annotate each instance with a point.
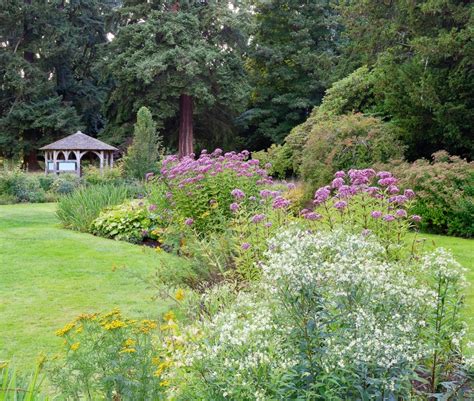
(182, 59)
(293, 44)
(143, 154)
(420, 56)
(48, 87)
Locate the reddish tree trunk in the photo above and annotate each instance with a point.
(186, 135)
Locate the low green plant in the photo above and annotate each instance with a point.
(132, 221)
(23, 186)
(109, 357)
(79, 209)
(14, 387)
(445, 192)
(276, 159)
(93, 175)
(64, 184)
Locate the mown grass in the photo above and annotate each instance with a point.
(463, 250)
(49, 275)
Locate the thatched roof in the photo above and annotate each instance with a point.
(78, 141)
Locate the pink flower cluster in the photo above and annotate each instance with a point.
(190, 170)
(381, 186)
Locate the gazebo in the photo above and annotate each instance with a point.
(64, 156)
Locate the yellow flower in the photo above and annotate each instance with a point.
(158, 249)
(179, 295)
(114, 324)
(128, 351)
(164, 383)
(79, 329)
(171, 325)
(75, 346)
(66, 329)
(147, 325)
(3, 364)
(162, 367)
(205, 214)
(169, 316)
(214, 205)
(129, 342)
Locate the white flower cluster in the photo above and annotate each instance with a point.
(328, 302)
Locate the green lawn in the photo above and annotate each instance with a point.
(49, 275)
(463, 250)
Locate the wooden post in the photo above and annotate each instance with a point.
(112, 159)
(55, 158)
(101, 157)
(46, 157)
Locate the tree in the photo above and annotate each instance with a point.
(184, 60)
(48, 87)
(420, 62)
(143, 154)
(293, 45)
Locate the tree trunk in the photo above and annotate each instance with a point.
(186, 135)
(30, 161)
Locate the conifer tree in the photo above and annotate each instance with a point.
(143, 154)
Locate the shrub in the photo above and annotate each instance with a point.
(132, 221)
(445, 192)
(331, 319)
(94, 176)
(24, 187)
(276, 159)
(345, 142)
(80, 208)
(143, 154)
(200, 192)
(64, 184)
(108, 357)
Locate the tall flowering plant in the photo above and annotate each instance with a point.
(200, 190)
(365, 201)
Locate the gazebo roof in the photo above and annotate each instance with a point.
(78, 141)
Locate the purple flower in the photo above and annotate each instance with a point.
(234, 207)
(389, 217)
(238, 193)
(400, 199)
(366, 232)
(281, 203)
(258, 218)
(376, 214)
(416, 218)
(340, 174)
(409, 193)
(384, 174)
(337, 182)
(340, 205)
(393, 189)
(151, 208)
(188, 221)
(149, 176)
(245, 246)
(265, 193)
(401, 213)
(252, 198)
(312, 216)
(269, 224)
(321, 195)
(388, 181)
(290, 185)
(268, 166)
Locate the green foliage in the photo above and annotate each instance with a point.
(48, 84)
(420, 61)
(277, 159)
(79, 209)
(14, 387)
(131, 221)
(108, 357)
(165, 49)
(21, 187)
(291, 55)
(445, 192)
(345, 142)
(94, 176)
(143, 154)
